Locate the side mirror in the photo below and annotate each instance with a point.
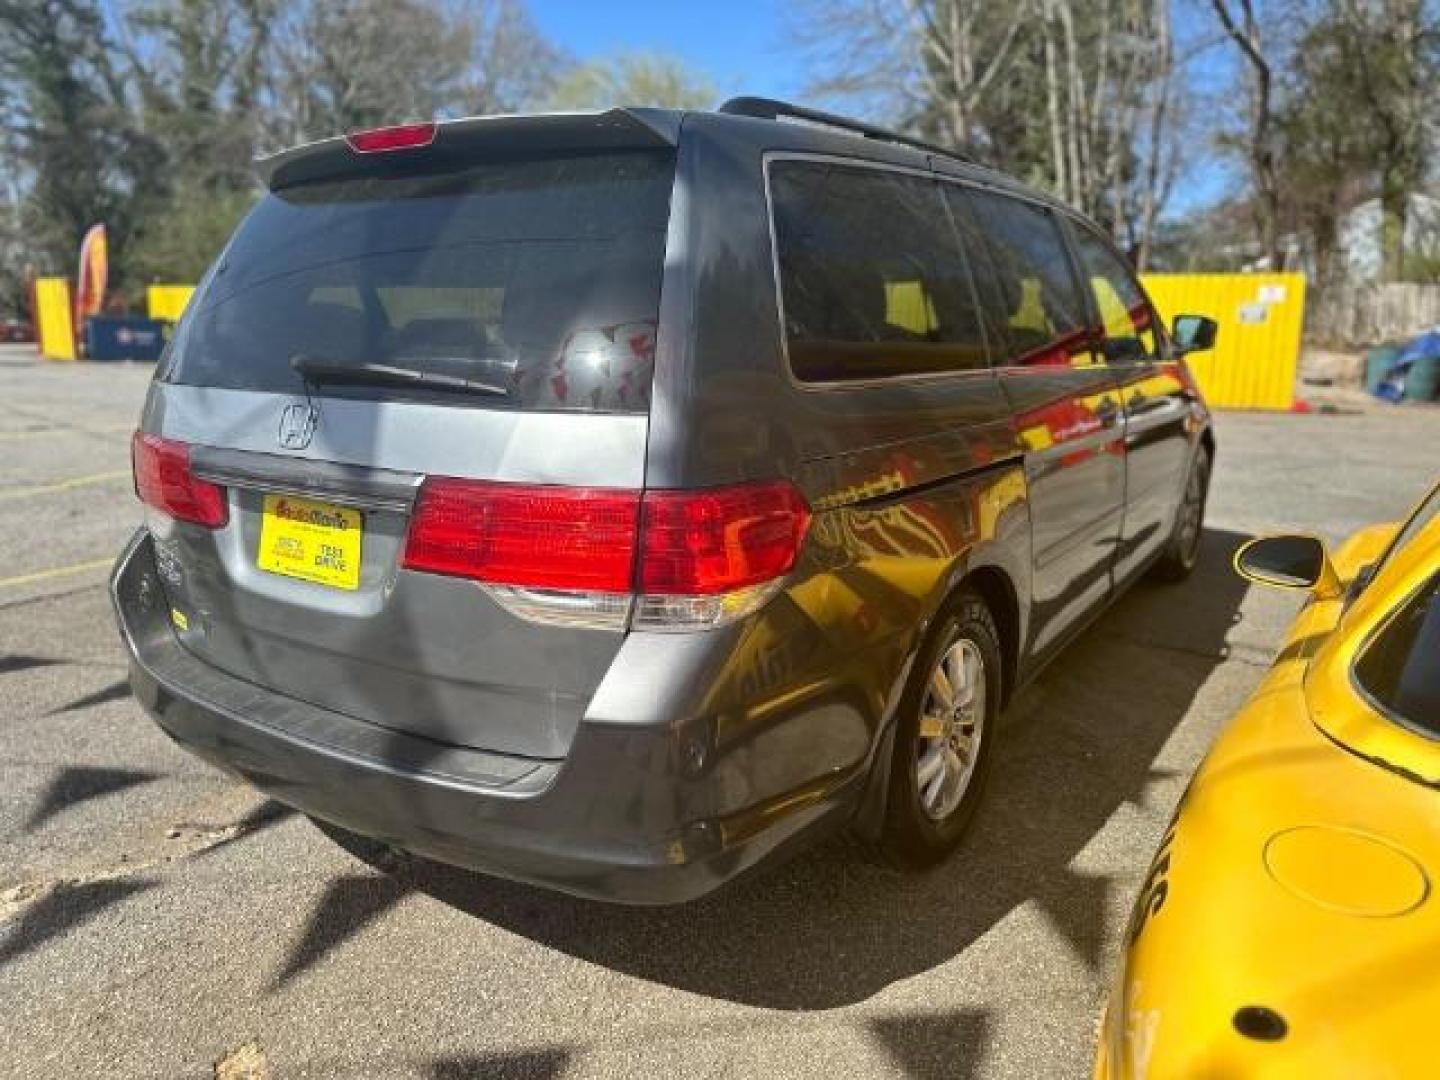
(1289, 562)
(1194, 333)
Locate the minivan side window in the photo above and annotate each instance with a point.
(1041, 306)
(872, 283)
(1126, 318)
(1398, 671)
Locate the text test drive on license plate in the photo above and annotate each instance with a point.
(313, 541)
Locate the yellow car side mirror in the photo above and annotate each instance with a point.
(1290, 562)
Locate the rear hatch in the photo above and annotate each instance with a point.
(397, 328)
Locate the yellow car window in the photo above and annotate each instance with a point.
(1398, 671)
(1423, 516)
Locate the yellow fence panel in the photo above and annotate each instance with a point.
(167, 302)
(55, 332)
(1258, 349)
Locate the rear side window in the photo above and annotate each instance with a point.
(872, 281)
(1126, 320)
(540, 277)
(1039, 302)
(1398, 669)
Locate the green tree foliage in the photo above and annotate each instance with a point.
(638, 79)
(185, 240)
(1388, 54)
(1325, 151)
(79, 150)
(147, 114)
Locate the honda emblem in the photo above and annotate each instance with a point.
(297, 424)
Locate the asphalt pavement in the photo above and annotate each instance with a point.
(159, 919)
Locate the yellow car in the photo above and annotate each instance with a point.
(1288, 926)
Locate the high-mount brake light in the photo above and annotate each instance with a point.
(382, 140)
(603, 557)
(163, 480)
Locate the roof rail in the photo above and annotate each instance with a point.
(772, 109)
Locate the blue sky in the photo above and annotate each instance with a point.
(745, 47)
(743, 44)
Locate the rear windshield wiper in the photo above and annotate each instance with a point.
(319, 369)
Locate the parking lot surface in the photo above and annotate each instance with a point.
(159, 919)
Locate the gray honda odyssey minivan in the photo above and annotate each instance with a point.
(609, 500)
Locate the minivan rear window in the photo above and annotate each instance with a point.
(539, 279)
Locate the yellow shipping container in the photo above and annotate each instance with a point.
(167, 302)
(55, 333)
(1258, 349)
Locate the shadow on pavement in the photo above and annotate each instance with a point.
(349, 905)
(519, 1065)
(116, 691)
(13, 662)
(62, 910)
(946, 1045)
(269, 813)
(77, 784)
(829, 929)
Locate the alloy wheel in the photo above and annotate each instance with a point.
(952, 721)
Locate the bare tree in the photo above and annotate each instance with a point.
(931, 63)
(345, 64)
(1245, 32)
(1155, 184)
(963, 53)
(512, 66)
(1108, 67)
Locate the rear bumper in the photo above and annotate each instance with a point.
(611, 821)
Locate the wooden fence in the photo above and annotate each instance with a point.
(1359, 315)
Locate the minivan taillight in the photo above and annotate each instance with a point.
(515, 534)
(163, 480)
(709, 557)
(683, 560)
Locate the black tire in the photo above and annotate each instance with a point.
(913, 836)
(1182, 550)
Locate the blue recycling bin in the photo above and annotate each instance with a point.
(109, 337)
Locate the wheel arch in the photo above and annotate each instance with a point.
(994, 587)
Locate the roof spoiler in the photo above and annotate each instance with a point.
(463, 142)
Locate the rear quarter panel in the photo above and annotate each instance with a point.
(912, 484)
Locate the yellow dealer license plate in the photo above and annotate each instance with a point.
(312, 541)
